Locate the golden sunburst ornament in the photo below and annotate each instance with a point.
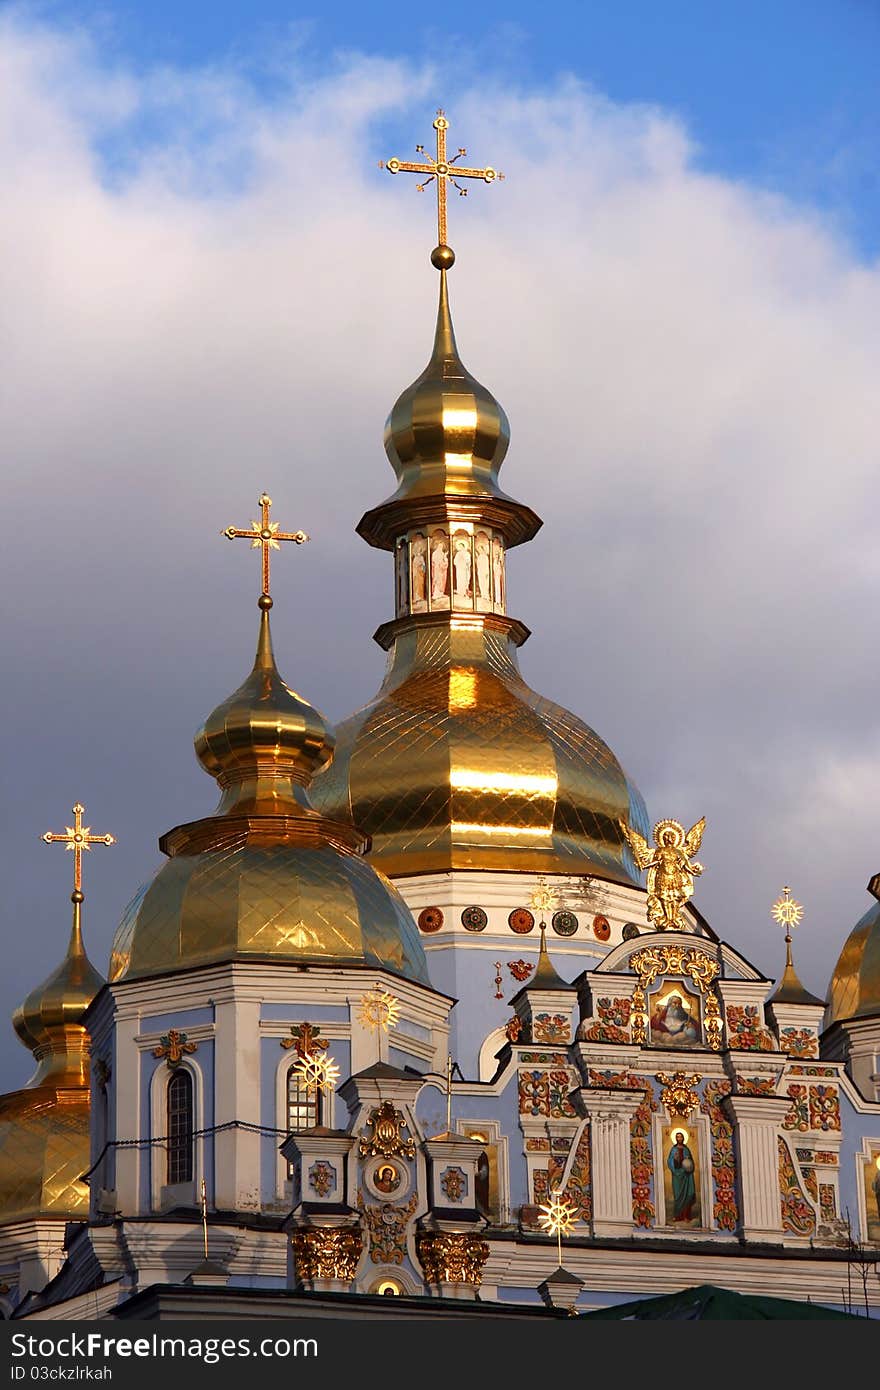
(317, 1072)
(557, 1218)
(786, 911)
(378, 1010)
(543, 900)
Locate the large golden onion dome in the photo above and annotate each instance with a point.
(457, 763)
(44, 1128)
(854, 991)
(267, 876)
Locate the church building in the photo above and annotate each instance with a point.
(422, 1015)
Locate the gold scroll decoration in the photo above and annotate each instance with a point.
(452, 1258)
(678, 1094)
(322, 1253)
(386, 1140)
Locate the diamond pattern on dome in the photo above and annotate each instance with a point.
(504, 779)
(855, 984)
(289, 902)
(44, 1147)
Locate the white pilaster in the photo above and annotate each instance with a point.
(756, 1123)
(609, 1113)
(237, 1097)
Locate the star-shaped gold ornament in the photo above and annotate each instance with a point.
(317, 1072)
(378, 1010)
(557, 1218)
(544, 898)
(786, 911)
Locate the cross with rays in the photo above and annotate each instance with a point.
(264, 533)
(441, 170)
(78, 837)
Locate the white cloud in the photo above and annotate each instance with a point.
(206, 292)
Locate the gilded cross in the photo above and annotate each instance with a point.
(304, 1037)
(78, 837)
(441, 170)
(265, 533)
(173, 1045)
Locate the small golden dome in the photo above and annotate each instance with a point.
(446, 432)
(264, 742)
(44, 1128)
(446, 438)
(288, 901)
(49, 1021)
(855, 985)
(267, 876)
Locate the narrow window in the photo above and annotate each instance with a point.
(180, 1127)
(303, 1105)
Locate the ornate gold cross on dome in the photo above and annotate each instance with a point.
(443, 171)
(265, 533)
(78, 837)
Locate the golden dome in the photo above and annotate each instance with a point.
(457, 763)
(283, 899)
(44, 1128)
(48, 1022)
(446, 438)
(855, 985)
(267, 876)
(264, 741)
(44, 1148)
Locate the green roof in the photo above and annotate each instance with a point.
(708, 1301)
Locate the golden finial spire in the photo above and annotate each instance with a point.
(78, 838)
(449, 1069)
(48, 1021)
(265, 533)
(788, 914)
(441, 170)
(557, 1218)
(204, 1204)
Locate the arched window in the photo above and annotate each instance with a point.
(304, 1107)
(180, 1127)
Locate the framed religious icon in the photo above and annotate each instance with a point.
(871, 1179)
(681, 1176)
(674, 1016)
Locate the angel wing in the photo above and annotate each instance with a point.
(694, 838)
(642, 852)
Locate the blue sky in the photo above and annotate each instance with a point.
(783, 93)
(208, 289)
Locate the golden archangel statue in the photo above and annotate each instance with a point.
(671, 868)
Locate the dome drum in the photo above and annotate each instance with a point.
(382, 526)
